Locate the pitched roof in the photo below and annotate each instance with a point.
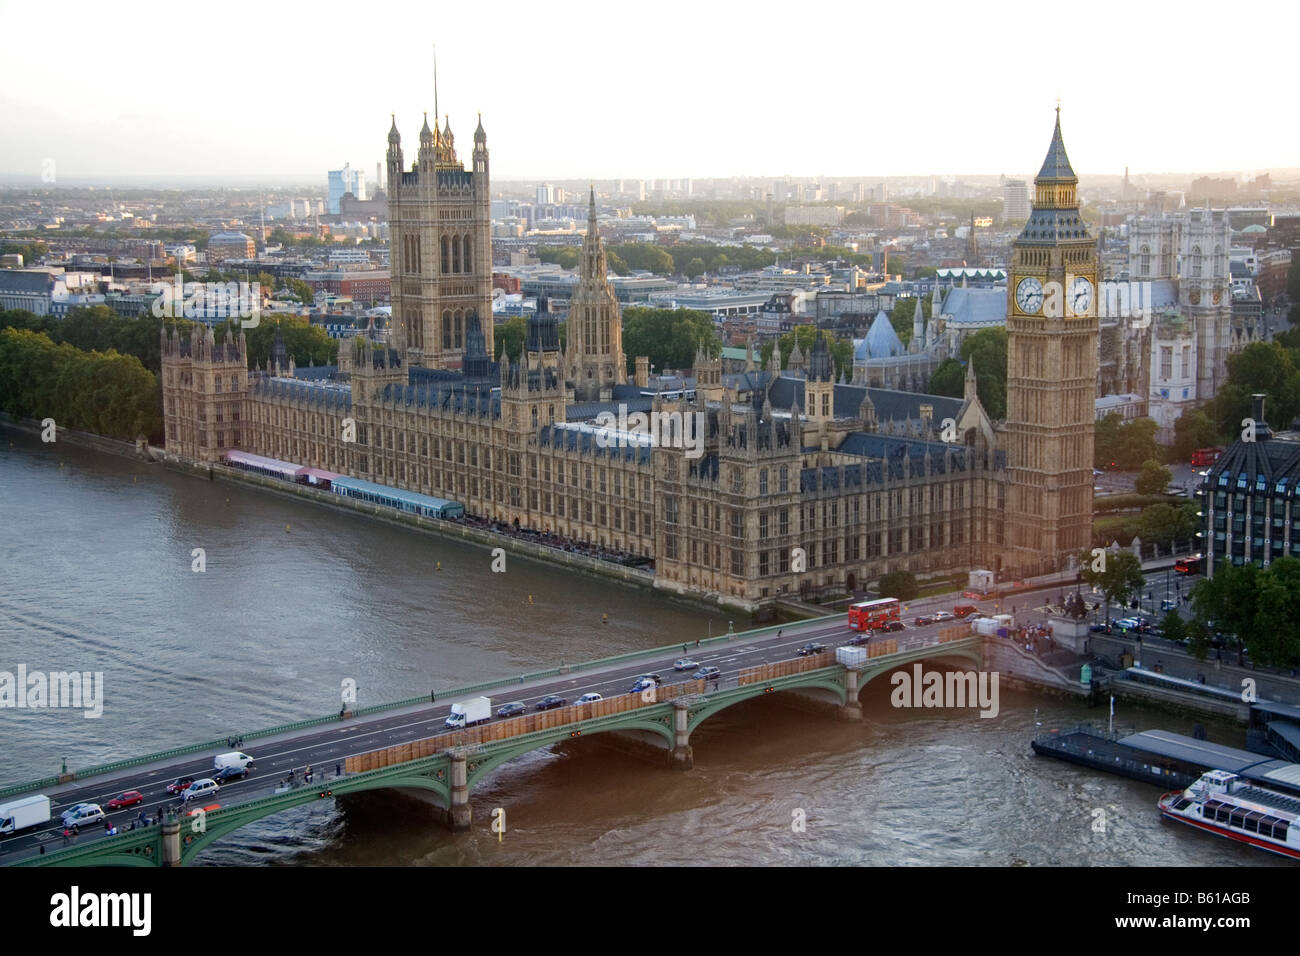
(980, 307)
(881, 341)
(1056, 165)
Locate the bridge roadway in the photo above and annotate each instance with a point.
(326, 746)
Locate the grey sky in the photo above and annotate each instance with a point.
(278, 91)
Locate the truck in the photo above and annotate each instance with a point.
(981, 581)
(467, 713)
(851, 656)
(24, 814)
(984, 626)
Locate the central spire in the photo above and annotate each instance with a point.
(1056, 166)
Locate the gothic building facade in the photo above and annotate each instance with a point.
(797, 482)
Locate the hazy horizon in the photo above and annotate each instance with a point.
(573, 93)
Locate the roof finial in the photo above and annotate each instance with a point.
(435, 84)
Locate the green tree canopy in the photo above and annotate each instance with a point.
(1194, 429)
(1153, 479)
(669, 337)
(987, 348)
(898, 584)
(1125, 445)
(510, 337)
(949, 379)
(1119, 576)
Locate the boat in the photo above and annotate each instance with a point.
(1225, 804)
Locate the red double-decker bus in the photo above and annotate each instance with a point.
(1188, 565)
(1206, 456)
(873, 615)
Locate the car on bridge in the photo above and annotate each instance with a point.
(128, 798)
(512, 709)
(203, 787)
(179, 784)
(943, 616)
(82, 815)
(654, 677)
(685, 664)
(706, 673)
(965, 610)
(812, 647)
(925, 619)
(551, 700)
(588, 699)
(642, 683)
(227, 774)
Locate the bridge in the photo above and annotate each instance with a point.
(404, 745)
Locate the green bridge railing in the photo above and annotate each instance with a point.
(224, 742)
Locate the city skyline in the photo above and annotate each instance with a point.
(933, 102)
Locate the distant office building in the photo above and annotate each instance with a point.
(230, 245)
(1015, 200)
(345, 180)
(545, 194)
(813, 215)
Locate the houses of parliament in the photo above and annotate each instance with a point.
(806, 485)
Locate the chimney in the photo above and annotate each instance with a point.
(1262, 431)
(642, 378)
(927, 417)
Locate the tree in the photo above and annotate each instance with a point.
(1163, 524)
(1124, 445)
(1119, 576)
(1263, 367)
(898, 584)
(1153, 479)
(987, 348)
(904, 313)
(1194, 429)
(948, 379)
(1173, 627)
(695, 268)
(509, 337)
(669, 337)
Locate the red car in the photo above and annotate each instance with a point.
(179, 784)
(965, 610)
(128, 799)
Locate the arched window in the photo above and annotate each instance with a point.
(1144, 261)
(446, 329)
(1218, 253)
(466, 258)
(1196, 261)
(459, 316)
(446, 256)
(455, 254)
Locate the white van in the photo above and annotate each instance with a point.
(232, 759)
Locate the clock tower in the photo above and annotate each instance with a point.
(1051, 376)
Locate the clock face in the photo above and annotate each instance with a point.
(1080, 295)
(1029, 295)
(1216, 297)
(1195, 297)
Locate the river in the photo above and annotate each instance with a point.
(96, 556)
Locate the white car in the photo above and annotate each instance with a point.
(82, 814)
(202, 787)
(588, 698)
(685, 664)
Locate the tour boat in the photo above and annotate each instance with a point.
(1223, 803)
